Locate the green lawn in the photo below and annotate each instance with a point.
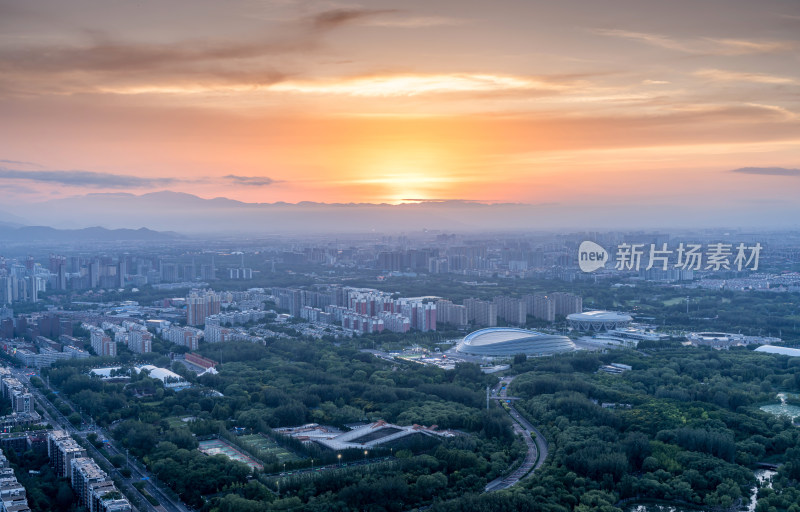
(177, 421)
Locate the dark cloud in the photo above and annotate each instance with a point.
(768, 171)
(100, 52)
(99, 61)
(76, 178)
(251, 181)
(18, 162)
(334, 18)
(18, 189)
(103, 53)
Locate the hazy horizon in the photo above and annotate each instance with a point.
(192, 215)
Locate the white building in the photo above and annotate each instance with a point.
(168, 377)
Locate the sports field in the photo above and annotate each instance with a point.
(262, 446)
(215, 446)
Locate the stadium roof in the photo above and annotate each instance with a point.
(498, 335)
(508, 341)
(772, 349)
(600, 316)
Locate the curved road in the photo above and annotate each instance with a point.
(535, 441)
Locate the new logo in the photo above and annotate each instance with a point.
(591, 256)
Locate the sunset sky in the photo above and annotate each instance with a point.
(640, 102)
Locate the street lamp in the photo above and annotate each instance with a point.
(284, 467)
(365, 455)
(339, 456)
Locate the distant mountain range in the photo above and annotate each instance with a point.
(11, 221)
(10, 233)
(188, 214)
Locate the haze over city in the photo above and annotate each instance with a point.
(622, 114)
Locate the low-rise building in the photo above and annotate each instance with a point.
(104, 497)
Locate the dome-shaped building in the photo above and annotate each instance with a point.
(508, 341)
(598, 320)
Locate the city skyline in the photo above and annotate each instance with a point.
(636, 105)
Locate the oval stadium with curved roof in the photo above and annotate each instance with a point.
(509, 341)
(598, 320)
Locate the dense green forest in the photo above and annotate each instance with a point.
(684, 425)
(292, 382)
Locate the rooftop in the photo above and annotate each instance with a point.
(375, 434)
(600, 316)
(494, 335)
(785, 351)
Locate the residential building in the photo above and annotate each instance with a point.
(481, 313)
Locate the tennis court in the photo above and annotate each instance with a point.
(219, 446)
